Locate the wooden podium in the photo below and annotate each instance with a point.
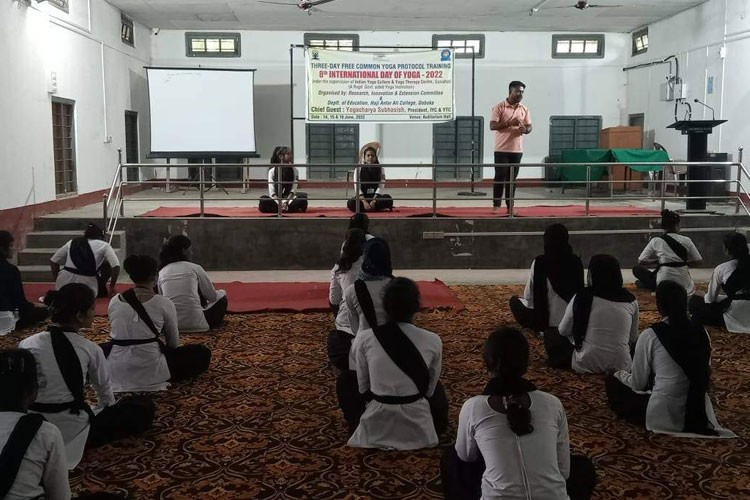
(622, 138)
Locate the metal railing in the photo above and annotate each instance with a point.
(113, 204)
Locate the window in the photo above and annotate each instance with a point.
(573, 132)
(463, 45)
(64, 146)
(334, 144)
(332, 42)
(458, 141)
(212, 44)
(60, 4)
(577, 46)
(640, 41)
(126, 31)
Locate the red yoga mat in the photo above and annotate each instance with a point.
(462, 212)
(282, 297)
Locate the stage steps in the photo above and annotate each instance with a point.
(33, 261)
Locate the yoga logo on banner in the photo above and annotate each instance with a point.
(380, 87)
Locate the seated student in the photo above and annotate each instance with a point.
(727, 302)
(512, 441)
(343, 275)
(554, 278)
(672, 361)
(364, 304)
(369, 182)
(139, 360)
(671, 253)
(12, 296)
(398, 367)
(599, 326)
(282, 185)
(33, 452)
(200, 307)
(65, 361)
(88, 260)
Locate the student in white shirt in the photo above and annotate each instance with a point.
(398, 372)
(672, 254)
(554, 278)
(282, 185)
(672, 362)
(65, 361)
(139, 360)
(343, 275)
(88, 260)
(200, 306)
(727, 302)
(599, 326)
(512, 441)
(369, 183)
(32, 448)
(364, 304)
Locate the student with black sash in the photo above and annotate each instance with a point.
(200, 306)
(727, 302)
(512, 441)
(671, 253)
(343, 275)
(140, 358)
(554, 278)
(89, 260)
(599, 326)
(367, 291)
(398, 372)
(12, 297)
(66, 360)
(369, 183)
(282, 185)
(32, 460)
(667, 387)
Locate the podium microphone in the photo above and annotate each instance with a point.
(713, 112)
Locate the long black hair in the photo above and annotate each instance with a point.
(18, 378)
(353, 246)
(401, 300)
(360, 221)
(374, 152)
(377, 260)
(70, 300)
(669, 220)
(671, 301)
(736, 246)
(174, 250)
(140, 268)
(277, 152)
(93, 232)
(506, 356)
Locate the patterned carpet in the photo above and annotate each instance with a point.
(263, 422)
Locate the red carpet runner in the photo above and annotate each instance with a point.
(462, 212)
(282, 297)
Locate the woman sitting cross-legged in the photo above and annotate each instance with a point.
(512, 441)
(343, 275)
(672, 361)
(398, 370)
(727, 302)
(138, 359)
(599, 326)
(199, 306)
(369, 182)
(66, 360)
(33, 451)
(554, 278)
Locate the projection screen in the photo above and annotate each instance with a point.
(201, 112)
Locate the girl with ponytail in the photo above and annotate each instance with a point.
(512, 441)
(727, 302)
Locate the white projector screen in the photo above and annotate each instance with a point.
(200, 112)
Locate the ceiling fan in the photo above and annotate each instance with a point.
(304, 5)
(580, 5)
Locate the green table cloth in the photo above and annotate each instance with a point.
(580, 158)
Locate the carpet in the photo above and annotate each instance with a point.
(402, 212)
(262, 423)
(281, 297)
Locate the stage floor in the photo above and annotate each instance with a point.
(150, 199)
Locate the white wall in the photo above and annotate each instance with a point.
(554, 87)
(94, 68)
(696, 37)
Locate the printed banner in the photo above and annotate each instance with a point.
(347, 86)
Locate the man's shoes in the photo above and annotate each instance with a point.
(495, 210)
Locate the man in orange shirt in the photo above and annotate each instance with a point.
(510, 121)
